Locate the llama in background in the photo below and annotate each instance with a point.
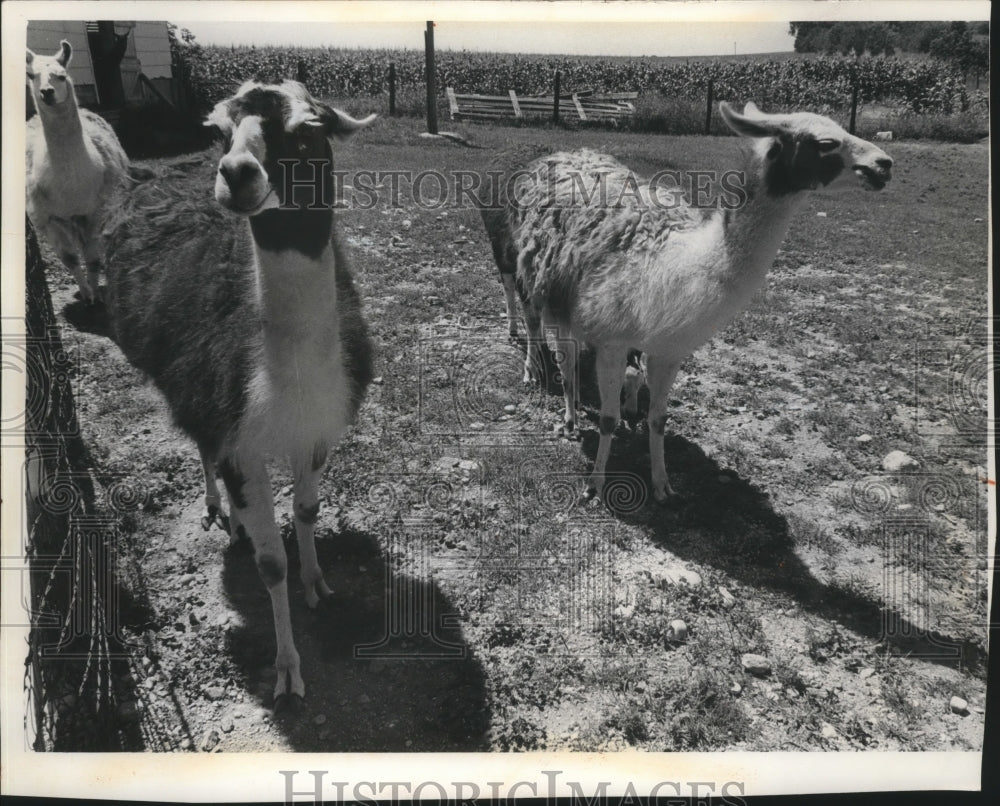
(75, 168)
(627, 272)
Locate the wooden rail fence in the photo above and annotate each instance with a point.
(587, 105)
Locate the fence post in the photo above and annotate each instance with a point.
(708, 107)
(432, 123)
(854, 103)
(555, 98)
(392, 89)
(301, 74)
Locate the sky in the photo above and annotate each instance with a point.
(578, 38)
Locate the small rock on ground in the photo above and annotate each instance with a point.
(209, 741)
(679, 576)
(756, 664)
(959, 706)
(897, 460)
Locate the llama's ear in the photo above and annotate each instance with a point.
(751, 110)
(219, 117)
(65, 53)
(341, 125)
(31, 59)
(745, 126)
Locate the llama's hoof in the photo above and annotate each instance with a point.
(667, 496)
(590, 497)
(568, 431)
(317, 593)
(289, 704)
(214, 516)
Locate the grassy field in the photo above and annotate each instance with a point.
(537, 621)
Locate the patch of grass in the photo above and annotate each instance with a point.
(703, 714)
(837, 428)
(786, 426)
(807, 533)
(961, 127)
(662, 115)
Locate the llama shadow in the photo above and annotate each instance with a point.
(724, 521)
(382, 659)
(87, 318)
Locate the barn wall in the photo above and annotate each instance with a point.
(147, 51)
(153, 49)
(44, 37)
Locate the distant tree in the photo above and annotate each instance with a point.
(954, 43)
(810, 37)
(876, 38)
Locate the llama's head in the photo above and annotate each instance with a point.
(47, 75)
(277, 149)
(803, 151)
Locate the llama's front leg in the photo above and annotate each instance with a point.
(632, 385)
(566, 360)
(72, 262)
(308, 468)
(660, 374)
(534, 359)
(610, 370)
(509, 293)
(63, 235)
(249, 491)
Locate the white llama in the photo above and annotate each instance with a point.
(75, 167)
(251, 329)
(625, 269)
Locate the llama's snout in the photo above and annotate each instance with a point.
(48, 95)
(875, 172)
(241, 184)
(238, 172)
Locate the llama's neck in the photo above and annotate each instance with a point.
(753, 232)
(296, 286)
(708, 274)
(297, 396)
(62, 127)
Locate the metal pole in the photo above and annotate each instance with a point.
(432, 123)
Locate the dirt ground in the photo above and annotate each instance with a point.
(480, 605)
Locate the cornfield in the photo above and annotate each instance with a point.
(819, 84)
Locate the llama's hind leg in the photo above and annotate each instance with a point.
(510, 293)
(610, 362)
(253, 506)
(308, 468)
(213, 501)
(660, 374)
(566, 359)
(534, 359)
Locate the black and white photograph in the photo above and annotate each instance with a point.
(564, 385)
